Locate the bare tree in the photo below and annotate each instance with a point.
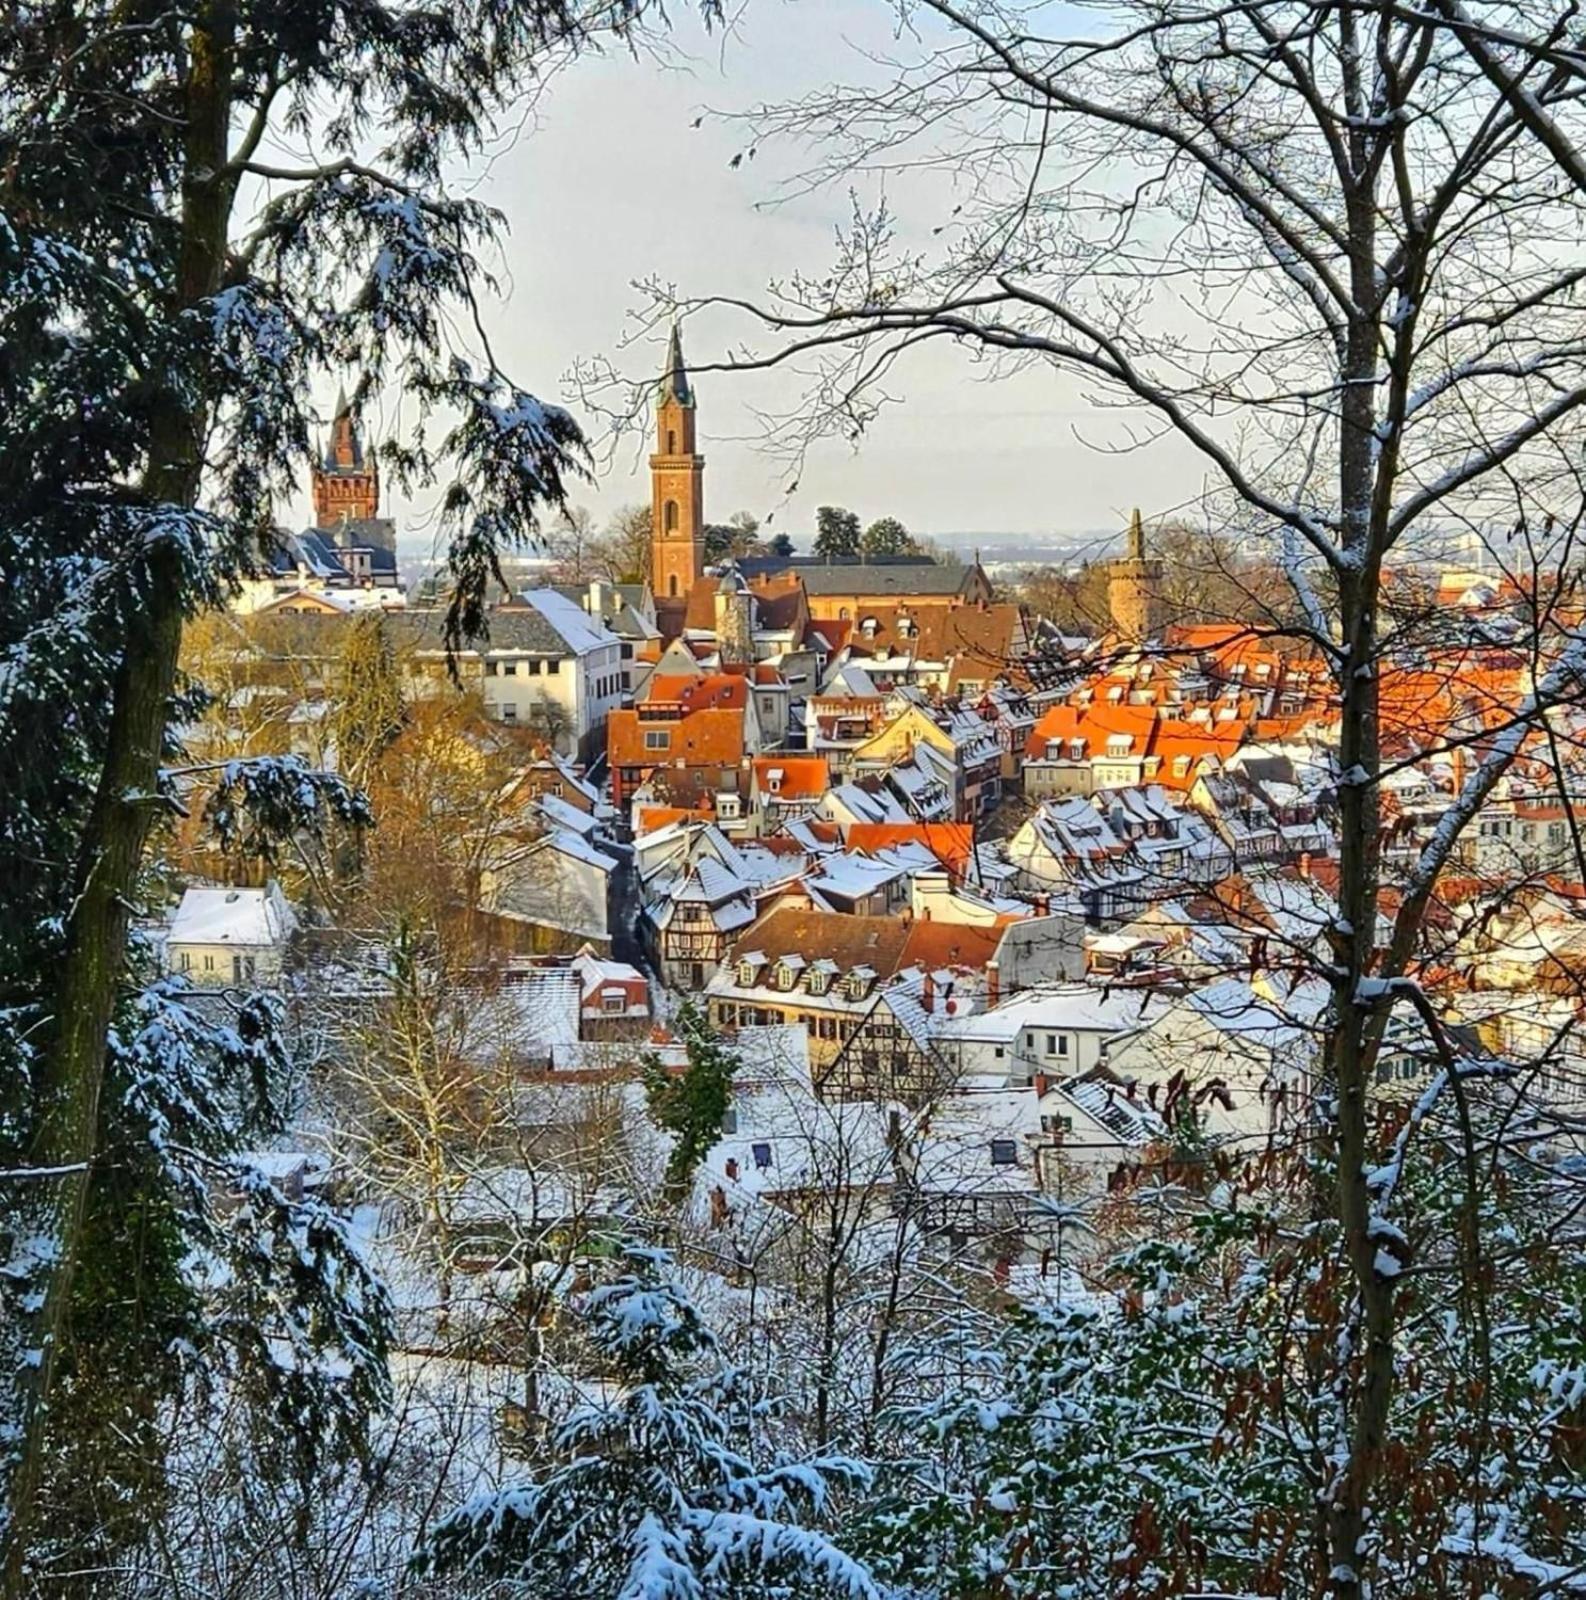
(1329, 247)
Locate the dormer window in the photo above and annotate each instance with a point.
(1004, 1153)
(1076, 749)
(1118, 744)
(868, 627)
(746, 974)
(819, 982)
(1181, 766)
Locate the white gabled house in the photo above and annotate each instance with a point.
(222, 936)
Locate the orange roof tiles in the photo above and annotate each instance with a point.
(950, 842)
(803, 777)
(702, 738)
(715, 691)
(945, 944)
(653, 818)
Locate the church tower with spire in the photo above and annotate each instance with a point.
(677, 486)
(346, 481)
(1134, 588)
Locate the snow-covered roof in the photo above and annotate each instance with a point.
(247, 918)
(561, 815)
(1069, 1007)
(579, 631)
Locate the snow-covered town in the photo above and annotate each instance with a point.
(561, 1040)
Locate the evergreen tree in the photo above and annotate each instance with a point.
(886, 536)
(692, 1106)
(779, 545)
(657, 1492)
(155, 398)
(836, 532)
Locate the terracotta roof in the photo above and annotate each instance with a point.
(950, 842)
(702, 738)
(874, 942)
(716, 691)
(803, 777)
(943, 944)
(985, 635)
(652, 818)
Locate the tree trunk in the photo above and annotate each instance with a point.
(72, 1070)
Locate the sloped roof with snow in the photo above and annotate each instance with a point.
(247, 918)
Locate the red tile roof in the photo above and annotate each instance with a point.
(702, 738)
(950, 842)
(714, 691)
(803, 777)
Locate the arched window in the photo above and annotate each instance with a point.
(671, 442)
(669, 516)
(671, 585)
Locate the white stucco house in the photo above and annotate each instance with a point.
(224, 936)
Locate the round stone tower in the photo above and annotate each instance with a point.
(1134, 588)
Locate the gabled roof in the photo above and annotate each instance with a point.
(949, 842)
(794, 777)
(874, 942)
(241, 917)
(709, 738)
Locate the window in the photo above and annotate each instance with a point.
(553, 667)
(786, 976)
(819, 982)
(613, 1000)
(671, 441)
(729, 1120)
(762, 1155)
(187, 961)
(669, 517)
(1062, 1044)
(745, 974)
(236, 969)
(509, 669)
(1000, 1052)
(490, 669)
(627, 653)
(1051, 1044)
(209, 963)
(671, 586)
(534, 669)
(509, 712)
(657, 738)
(1004, 1153)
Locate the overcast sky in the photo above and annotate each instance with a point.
(612, 183)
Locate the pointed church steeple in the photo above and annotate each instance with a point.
(346, 485)
(674, 385)
(677, 486)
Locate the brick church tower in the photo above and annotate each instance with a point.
(677, 486)
(346, 483)
(1134, 589)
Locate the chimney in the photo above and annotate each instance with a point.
(993, 983)
(928, 994)
(1042, 1083)
(1305, 864)
(732, 1168)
